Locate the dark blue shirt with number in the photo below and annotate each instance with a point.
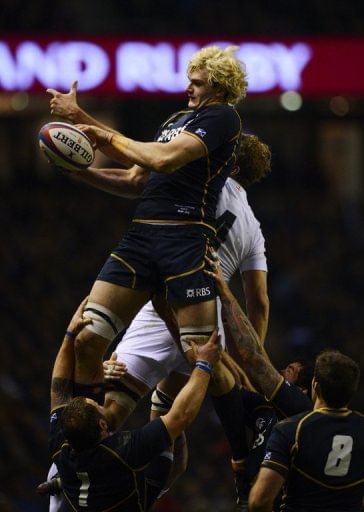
(190, 193)
(321, 455)
(111, 475)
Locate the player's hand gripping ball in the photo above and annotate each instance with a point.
(66, 146)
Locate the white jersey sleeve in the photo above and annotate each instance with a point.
(242, 245)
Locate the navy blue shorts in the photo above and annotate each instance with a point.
(290, 400)
(163, 259)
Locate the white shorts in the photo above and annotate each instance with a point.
(149, 350)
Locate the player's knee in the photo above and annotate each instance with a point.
(86, 345)
(161, 401)
(120, 402)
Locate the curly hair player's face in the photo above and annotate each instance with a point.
(199, 90)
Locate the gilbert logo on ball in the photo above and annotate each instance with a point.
(66, 146)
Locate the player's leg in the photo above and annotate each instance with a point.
(224, 390)
(162, 400)
(122, 287)
(150, 354)
(110, 307)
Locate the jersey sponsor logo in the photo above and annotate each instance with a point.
(200, 132)
(168, 135)
(185, 209)
(191, 293)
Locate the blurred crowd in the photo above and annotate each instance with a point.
(145, 17)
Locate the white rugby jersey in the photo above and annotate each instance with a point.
(242, 245)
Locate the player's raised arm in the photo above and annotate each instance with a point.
(157, 156)
(65, 106)
(64, 365)
(188, 401)
(254, 359)
(265, 490)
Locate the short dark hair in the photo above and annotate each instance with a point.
(253, 162)
(80, 424)
(338, 377)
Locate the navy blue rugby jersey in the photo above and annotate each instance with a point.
(190, 193)
(321, 455)
(110, 476)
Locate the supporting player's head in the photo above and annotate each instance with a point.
(83, 423)
(336, 378)
(224, 73)
(253, 162)
(300, 373)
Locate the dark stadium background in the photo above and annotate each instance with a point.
(55, 234)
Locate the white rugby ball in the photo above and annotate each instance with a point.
(66, 146)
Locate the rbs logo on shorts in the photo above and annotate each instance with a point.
(191, 293)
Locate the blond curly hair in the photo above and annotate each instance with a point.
(223, 69)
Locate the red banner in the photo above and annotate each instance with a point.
(158, 67)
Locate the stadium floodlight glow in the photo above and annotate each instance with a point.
(291, 100)
(339, 106)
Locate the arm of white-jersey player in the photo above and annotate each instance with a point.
(127, 183)
(257, 301)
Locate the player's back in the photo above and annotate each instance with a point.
(327, 470)
(242, 244)
(99, 478)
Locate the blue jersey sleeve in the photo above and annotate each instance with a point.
(280, 442)
(138, 447)
(215, 126)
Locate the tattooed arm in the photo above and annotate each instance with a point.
(253, 358)
(64, 365)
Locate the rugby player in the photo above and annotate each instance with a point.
(148, 347)
(281, 394)
(193, 153)
(317, 456)
(126, 471)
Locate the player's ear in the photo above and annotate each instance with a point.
(315, 388)
(104, 427)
